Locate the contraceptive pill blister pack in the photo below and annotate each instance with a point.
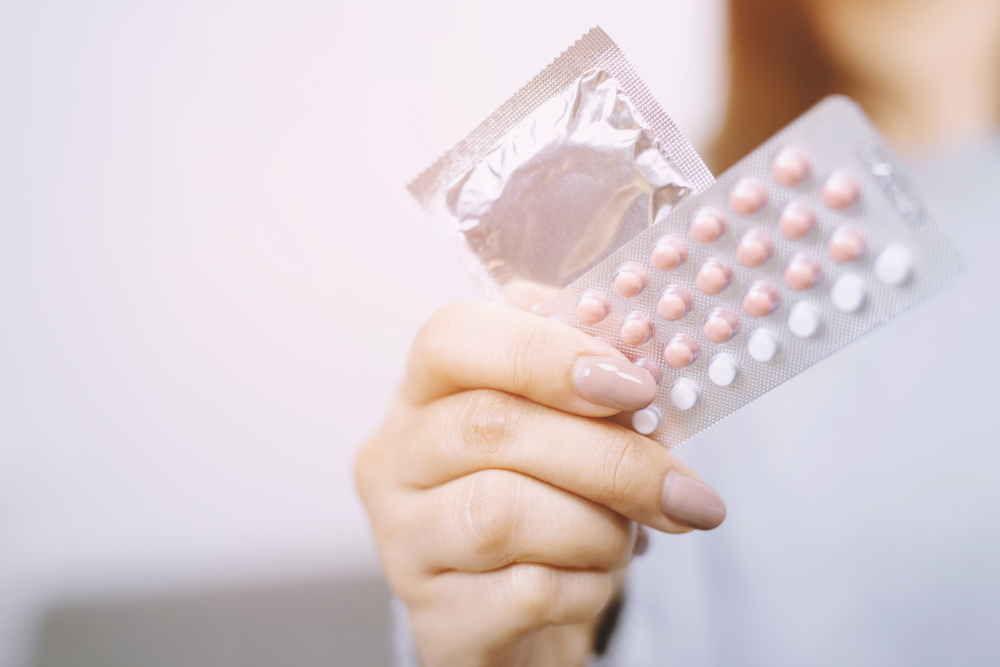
(807, 243)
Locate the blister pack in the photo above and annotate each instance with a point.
(576, 164)
(806, 244)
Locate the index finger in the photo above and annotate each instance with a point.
(485, 346)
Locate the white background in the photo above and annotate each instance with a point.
(210, 269)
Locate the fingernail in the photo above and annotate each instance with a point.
(615, 383)
(641, 541)
(692, 503)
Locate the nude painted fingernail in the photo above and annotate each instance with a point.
(692, 503)
(641, 541)
(615, 383)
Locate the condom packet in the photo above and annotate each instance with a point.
(809, 242)
(573, 166)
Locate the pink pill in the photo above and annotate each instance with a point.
(707, 225)
(680, 351)
(761, 299)
(802, 272)
(674, 303)
(592, 307)
(720, 326)
(748, 197)
(796, 220)
(650, 367)
(846, 244)
(636, 328)
(754, 249)
(713, 277)
(669, 253)
(790, 166)
(840, 190)
(629, 280)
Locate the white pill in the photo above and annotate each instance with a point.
(723, 369)
(848, 293)
(685, 394)
(894, 265)
(804, 319)
(763, 345)
(647, 420)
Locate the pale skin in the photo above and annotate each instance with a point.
(504, 509)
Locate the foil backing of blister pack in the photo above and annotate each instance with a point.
(835, 134)
(577, 163)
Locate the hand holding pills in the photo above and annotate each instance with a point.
(504, 512)
(502, 507)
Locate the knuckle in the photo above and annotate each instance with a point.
(622, 464)
(589, 594)
(491, 514)
(442, 318)
(616, 548)
(536, 590)
(490, 421)
(546, 596)
(523, 355)
(433, 345)
(430, 342)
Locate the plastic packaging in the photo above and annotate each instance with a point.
(806, 244)
(576, 164)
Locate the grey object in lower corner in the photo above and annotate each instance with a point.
(342, 622)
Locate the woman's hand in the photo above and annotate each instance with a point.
(502, 505)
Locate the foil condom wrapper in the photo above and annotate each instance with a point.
(579, 162)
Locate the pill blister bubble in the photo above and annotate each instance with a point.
(894, 265)
(848, 292)
(680, 351)
(713, 276)
(804, 319)
(674, 303)
(647, 420)
(629, 280)
(840, 190)
(668, 253)
(636, 329)
(763, 345)
(754, 249)
(720, 325)
(748, 196)
(707, 225)
(802, 272)
(760, 299)
(846, 244)
(592, 307)
(790, 166)
(685, 393)
(723, 369)
(796, 220)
